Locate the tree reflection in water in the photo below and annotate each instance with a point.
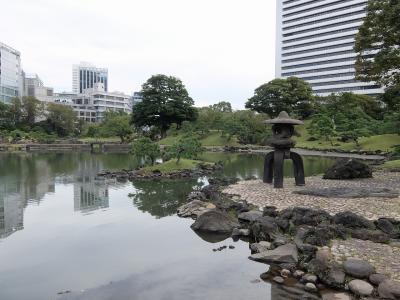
(162, 198)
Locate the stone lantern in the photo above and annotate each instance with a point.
(282, 131)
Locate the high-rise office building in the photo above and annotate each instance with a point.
(86, 75)
(315, 40)
(11, 79)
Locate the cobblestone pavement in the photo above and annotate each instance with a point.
(385, 258)
(261, 194)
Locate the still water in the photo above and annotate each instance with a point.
(62, 230)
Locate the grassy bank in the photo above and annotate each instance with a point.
(385, 142)
(172, 165)
(214, 138)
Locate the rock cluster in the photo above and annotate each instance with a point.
(295, 240)
(348, 169)
(124, 175)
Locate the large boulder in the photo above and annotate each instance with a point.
(361, 287)
(305, 216)
(194, 208)
(351, 220)
(264, 228)
(389, 289)
(215, 221)
(250, 216)
(283, 254)
(348, 169)
(358, 268)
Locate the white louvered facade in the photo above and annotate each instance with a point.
(315, 40)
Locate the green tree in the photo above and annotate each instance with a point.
(146, 148)
(391, 98)
(61, 118)
(165, 101)
(292, 95)
(223, 106)
(186, 147)
(117, 124)
(5, 116)
(353, 124)
(379, 32)
(322, 126)
(32, 109)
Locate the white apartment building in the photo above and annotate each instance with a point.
(34, 87)
(315, 40)
(86, 75)
(11, 79)
(94, 102)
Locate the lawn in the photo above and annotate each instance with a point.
(172, 165)
(392, 164)
(385, 142)
(100, 140)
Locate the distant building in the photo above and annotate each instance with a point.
(34, 87)
(11, 79)
(93, 103)
(315, 41)
(64, 97)
(134, 99)
(86, 75)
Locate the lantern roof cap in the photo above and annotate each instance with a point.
(283, 118)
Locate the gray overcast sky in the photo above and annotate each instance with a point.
(220, 49)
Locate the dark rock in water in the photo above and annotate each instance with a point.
(215, 221)
(348, 169)
(250, 216)
(283, 254)
(389, 289)
(212, 237)
(196, 195)
(373, 235)
(264, 228)
(349, 192)
(358, 268)
(223, 181)
(361, 287)
(351, 220)
(377, 279)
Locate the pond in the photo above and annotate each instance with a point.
(63, 231)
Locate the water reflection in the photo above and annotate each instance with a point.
(27, 178)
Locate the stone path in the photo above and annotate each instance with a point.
(385, 258)
(261, 194)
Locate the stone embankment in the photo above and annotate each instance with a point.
(335, 239)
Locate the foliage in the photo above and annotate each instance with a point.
(380, 32)
(61, 118)
(223, 107)
(247, 126)
(322, 126)
(185, 147)
(32, 109)
(117, 124)
(292, 95)
(391, 98)
(165, 101)
(146, 148)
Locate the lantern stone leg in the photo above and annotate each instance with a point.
(298, 168)
(269, 168)
(279, 158)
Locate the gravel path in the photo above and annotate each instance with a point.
(261, 194)
(385, 258)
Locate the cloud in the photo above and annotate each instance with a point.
(221, 49)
